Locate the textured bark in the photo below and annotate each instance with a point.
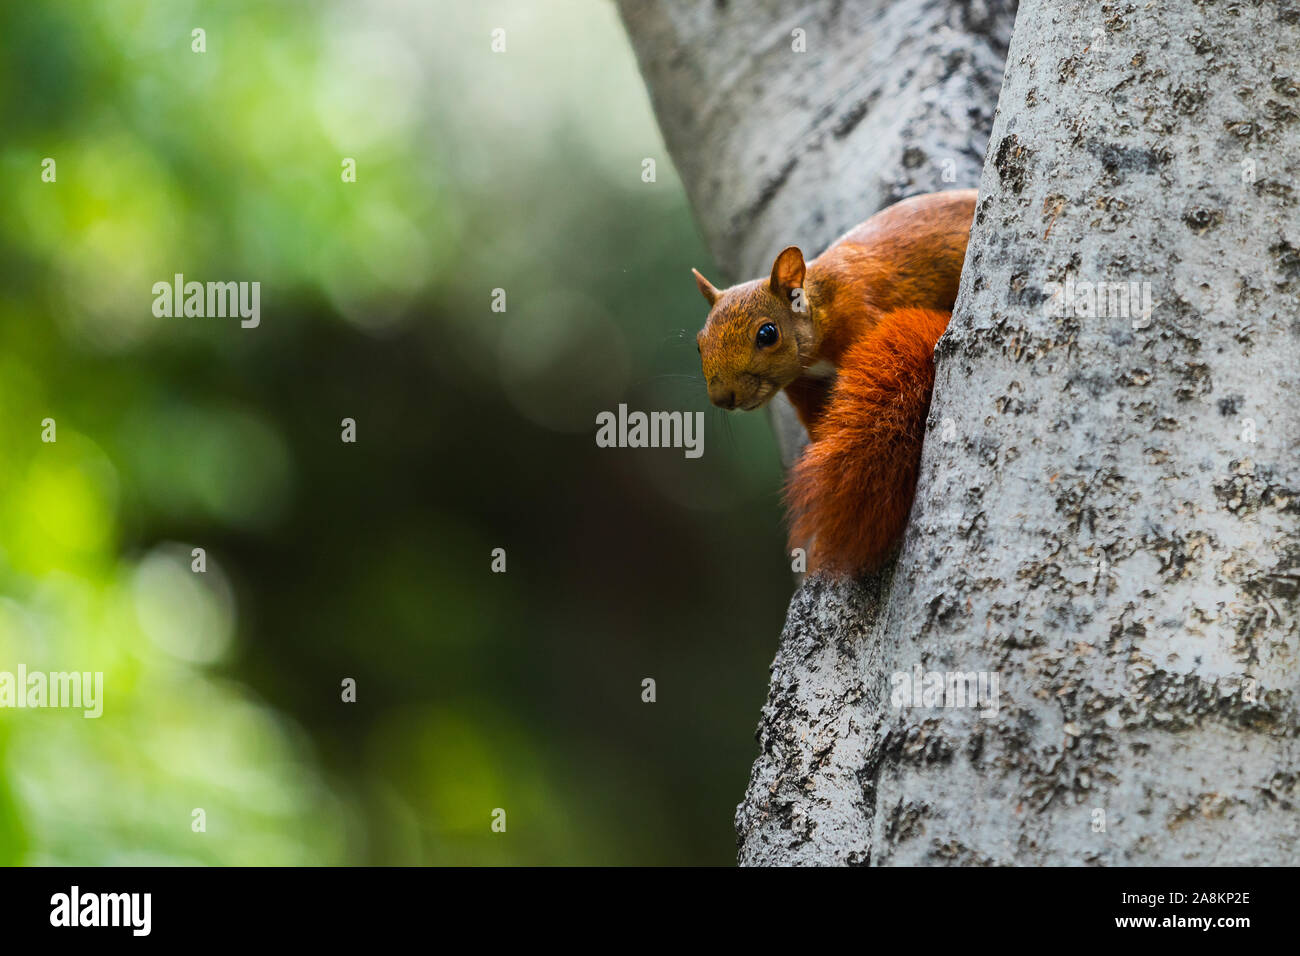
(777, 147)
(1093, 523)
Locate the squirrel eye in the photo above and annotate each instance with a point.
(767, 335)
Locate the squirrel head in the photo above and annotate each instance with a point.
(758, 336)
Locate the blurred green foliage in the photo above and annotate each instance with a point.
(475, 171)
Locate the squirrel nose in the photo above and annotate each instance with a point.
(722, 397)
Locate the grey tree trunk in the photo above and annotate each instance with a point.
(889, 98)
(1106, 518)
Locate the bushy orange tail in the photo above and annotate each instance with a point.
(850, 492)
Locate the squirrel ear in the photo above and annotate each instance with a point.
(787, 271)
(706, 287)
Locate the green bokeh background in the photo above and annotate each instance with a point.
(522, 691)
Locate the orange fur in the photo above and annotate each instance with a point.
(851, 491)
(875, 303)
(907, 256)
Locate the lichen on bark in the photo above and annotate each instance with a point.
(1112, 527)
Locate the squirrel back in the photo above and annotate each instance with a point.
(908, 255)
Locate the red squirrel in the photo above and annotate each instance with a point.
(850, 337)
